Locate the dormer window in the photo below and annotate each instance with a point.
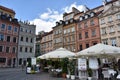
(57, 23)
(92, 14)
(86, 16)
(71, 20)
(81, 18)
(60, 22)
(66, 22)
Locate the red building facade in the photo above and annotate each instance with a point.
(9, 31)
(88, 30)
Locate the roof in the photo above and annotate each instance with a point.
(7, 9)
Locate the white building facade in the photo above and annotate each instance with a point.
(26, 45)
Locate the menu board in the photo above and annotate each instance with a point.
(82, 65)
(93, 63)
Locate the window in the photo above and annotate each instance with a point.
(9, 28)
(111, 29)
(21, 38)
(103, 31)
(64, 31)
(87, 45)
(113, 42)
(105, 41)
(21, 29)
(102, 21)
(7, 49)
(26, 39)
(94, 43)
(118, 27)
(68, 39)
(66, 22)
(1, 37)
(92, 22)
(1, 48)
(80, 47)
(31, 40)
(3, 26)
(80, 36)
(109, 19)
(93, 32)
(92, 14)
(8, 38)
(71, 21)
(13, 50)
(85, 24)
(86, 16)
(118, 16)
(2, 60)
(14, 39)
(31, 50)
(26, 49)
(26, 30)
(15, 29)
(21, 49)
(68, 30)
(73, 29)
(30, 31)
(73, 38)
(81, 18)
(79, 25)
(20, 61)
(86, 34)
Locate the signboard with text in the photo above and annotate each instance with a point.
(33, 61)
(82, 64)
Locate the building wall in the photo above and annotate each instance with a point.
(38, 43)
(7, 11)
(26, 48)
(88, 31)
(58, 35)
(9, 29)
(47, 43)
(69, 35)
(110, 24)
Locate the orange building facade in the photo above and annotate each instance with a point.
(87, 30)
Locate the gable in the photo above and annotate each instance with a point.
(110, 11)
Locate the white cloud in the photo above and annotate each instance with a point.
(47, 20)
(69, 8)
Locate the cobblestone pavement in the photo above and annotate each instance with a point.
(19, 74)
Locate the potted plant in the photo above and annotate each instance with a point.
(72, 69)
(90, 73)
(68, 70)
(64, 63)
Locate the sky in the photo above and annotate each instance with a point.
(45, 13)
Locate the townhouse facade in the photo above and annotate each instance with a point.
(38, 43)
(69, 35)
(88, 30)
(58, 35)
(110, 24)
(47, 43)
(9, 35)
(26, 45)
